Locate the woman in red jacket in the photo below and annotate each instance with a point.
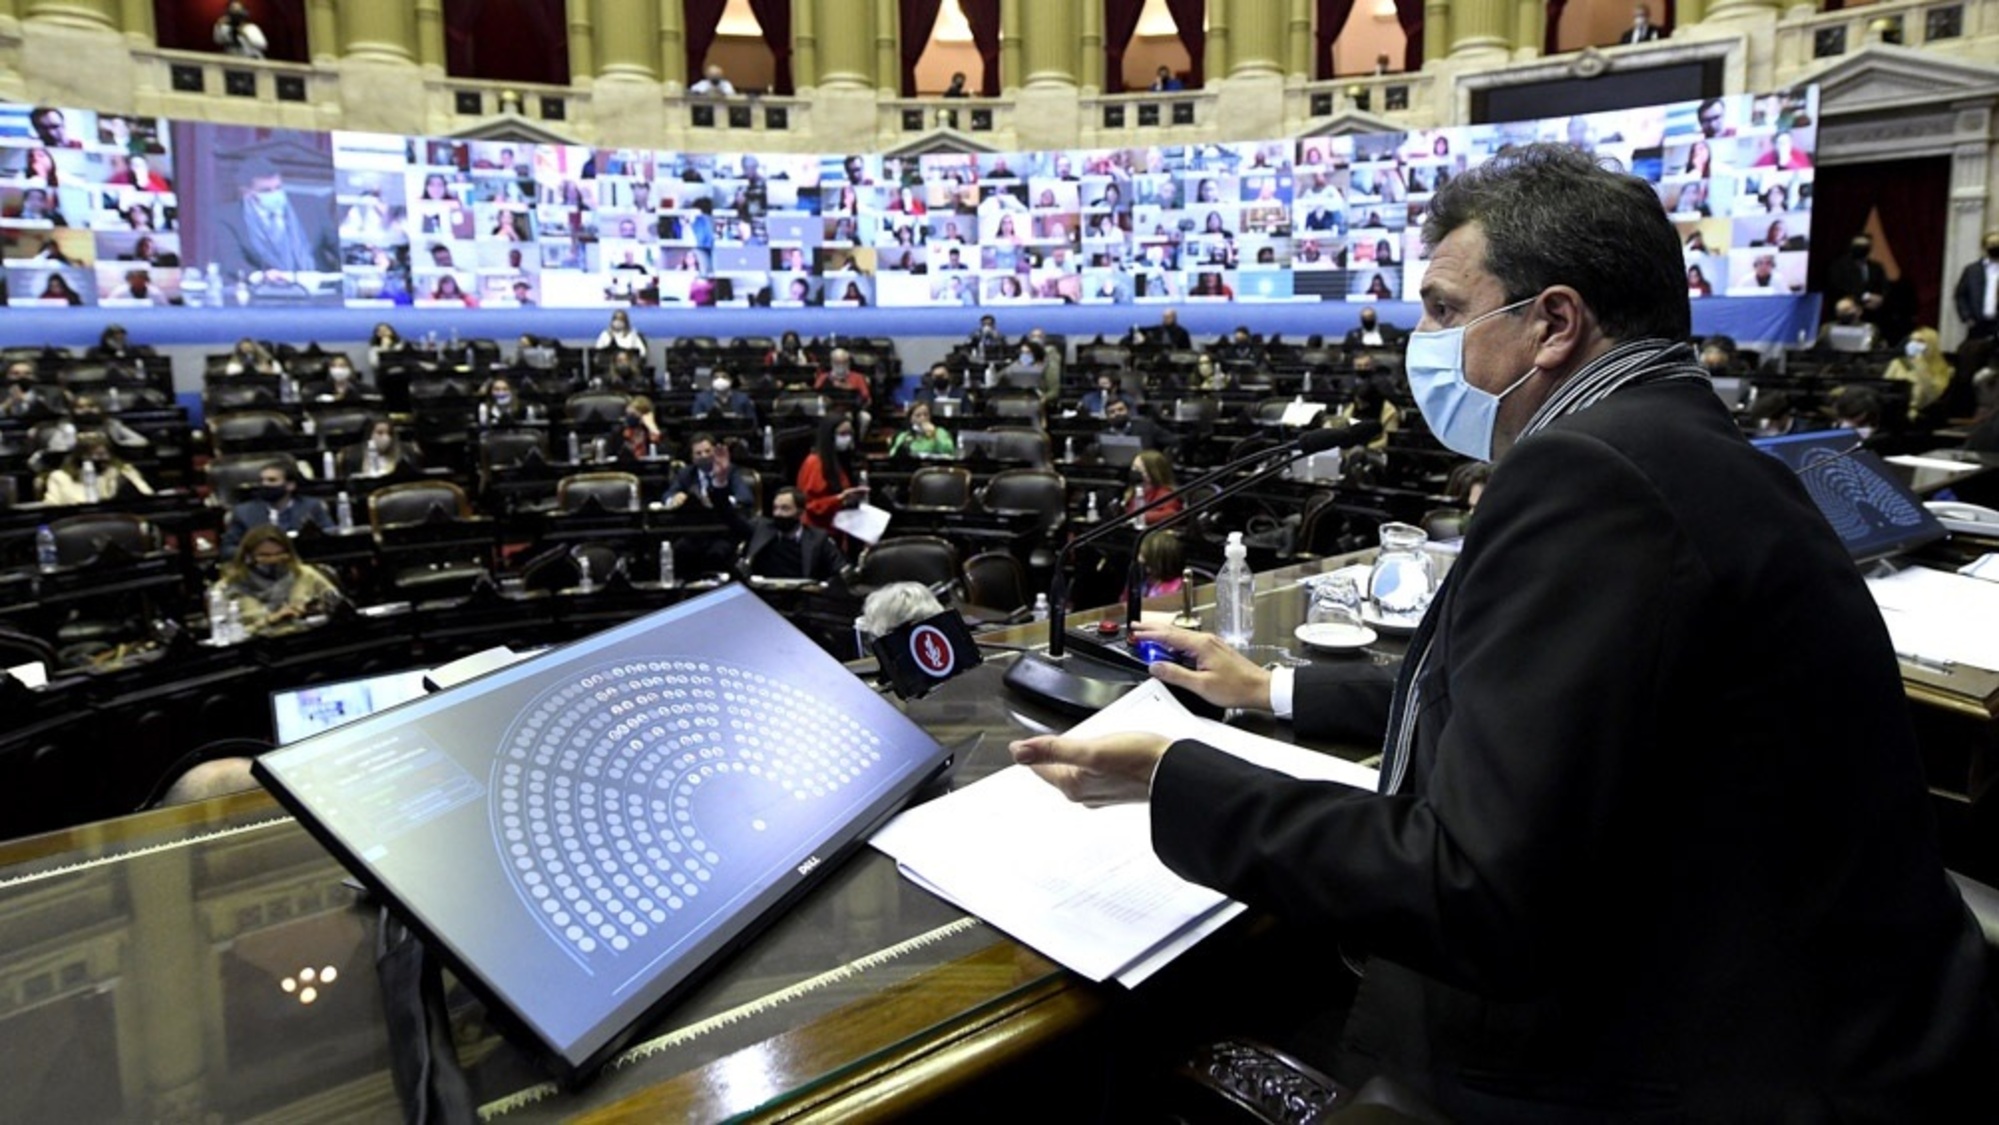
(827, 477)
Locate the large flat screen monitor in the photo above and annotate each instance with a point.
(1873, 512)
(582, 834)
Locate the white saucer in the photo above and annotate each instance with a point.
(1334, 638)
(1393, 626)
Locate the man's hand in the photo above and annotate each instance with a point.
(1106, 770)
(1221, 675)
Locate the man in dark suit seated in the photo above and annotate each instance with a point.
(783, 547)
(1119, 419)
(1625, 861)
(275, 501)
(720, 396)
(1642, 29)
(1170, 331)
(1372, 333)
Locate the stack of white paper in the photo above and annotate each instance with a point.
(1081, 884)
(1936, 616)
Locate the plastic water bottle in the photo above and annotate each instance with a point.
(575, 447)
(1090, 510)
(1235, 594)
(343, 510)
(287, 388)
(112, 402)
(46, 555)
(218, 615)
(1069, 448)
(90, 495)
(235, 631)
(770, 443)
(1041, 606)
(666, 562)
(584, 581)
(212, 293)
(327, 469)
(598, 449)
(1308, 381)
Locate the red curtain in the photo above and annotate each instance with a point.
(507, 40)
(189, 25)
(919, 19)
(701, 18)
(984, 17)
(1188, 18)
(1409, 13)
(1332, 20)
(1120, 24)
(1551, 41)
(1909, 197)
(775, 18)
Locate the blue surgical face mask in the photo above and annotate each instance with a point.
(272, 201)
(1460, 415)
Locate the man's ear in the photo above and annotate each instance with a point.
(1567, 328)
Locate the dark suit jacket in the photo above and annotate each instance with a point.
(1664, 849)
(1391, 337)
(1849, 277)
(1631, 35)
(822, 560)
(739, 404)
(1970, 298)
(238, 248)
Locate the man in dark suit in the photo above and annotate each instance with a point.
(1977, 293)
(1859, 277)
(275, 501)
(1642, 29)
(1372, 333)
(1171, 332)
(266, 232)
(1628, 860)
(783, 547)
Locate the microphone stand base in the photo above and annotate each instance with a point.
(1074, 684)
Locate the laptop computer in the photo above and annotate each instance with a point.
(1849, 337)
(1869, 507)
(300, 713)
(1120, 450)
(583, 834)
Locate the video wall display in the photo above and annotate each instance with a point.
(97, 209)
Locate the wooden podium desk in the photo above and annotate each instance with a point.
(154, 968)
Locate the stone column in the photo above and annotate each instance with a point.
(627, 35)
(1480, 27)
(1048, 112)
(136, 17)
(888, 55)
(73, 53)
(168, 965)
(1090, 50)
(1256, 37)
(804, 45)
(381, 86)
(1530, 28)
(1739, 9)
(846, 43)
(430, 36)
(1215, 53)
(1011, 53)
(378, 32)
(1687, 13)
(673, 43)
(75, 13)
(1299, 42)
(322, 31)
(582, 49)
(1436, 32)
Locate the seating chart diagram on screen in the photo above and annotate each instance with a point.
(584, 831)
(620, 794)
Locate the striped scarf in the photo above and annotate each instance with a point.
(1633, 364)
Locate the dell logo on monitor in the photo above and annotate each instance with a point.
(806, 867)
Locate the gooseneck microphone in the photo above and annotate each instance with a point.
(1082, 684)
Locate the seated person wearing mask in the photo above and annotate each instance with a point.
(641, 432)
(272, 588)
(381, 454)
(783, 546)
(110, 477)
(500, 406)
(1623, 862)
(1122, 420)
(722, 397)
(1372, 333)
(922, 437)
(276, 503)
(1110, 389)
(712, 484)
